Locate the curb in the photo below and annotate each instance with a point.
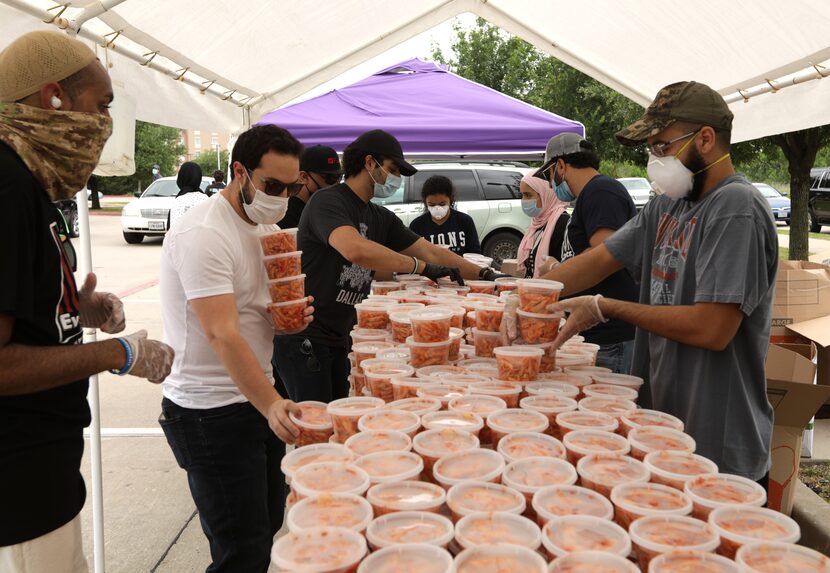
(813, 516)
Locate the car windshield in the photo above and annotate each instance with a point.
(167, 188)
(636, 184)
(767, 191)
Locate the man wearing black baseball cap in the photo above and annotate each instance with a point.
(345, 239)
(706, 254)
(319, 168)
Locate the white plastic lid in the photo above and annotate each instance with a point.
(480, 404)
(355, 406)
(617, 379)
(410, 341)
(471, 496)
(611, 470)
(487, 333)
(540, 284)
(397, 354)
(408, 558)
(410, 527)
(746, 524)
(314, 415)
(574, 533)
(319, 550)
(517, 420)
(419, 406)
(517, 351)
(615, 407)
(578, 379)
(440, 442)
(781, 558)
(312, 454)
(389, 419)
(370, 334)
(439, 372)
(445, 419)
(386, 368)
(491, 528)
(391, 466)
(466, 379)
(611, 391)
(694, 561)
(658, 438)
(374, 441)
(483, 465)
(443, 392)
(679, 466)
(474, 364)
(330, 510)
(594, 562)
(643, 499)
(401, 317)
(520, 445)
(499, 559)
(557, 501)
(529, 475)
(586, 442)
(548, 403)
(371, 347)
(408, 495)
(329, 477)
(496, 388)
(644, 417)
(716, 490)
(581, 420)
(661, 534)
(430, 313)
(545, 387)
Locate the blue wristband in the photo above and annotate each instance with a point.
(129, 362)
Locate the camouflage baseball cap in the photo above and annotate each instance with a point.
(691, 102)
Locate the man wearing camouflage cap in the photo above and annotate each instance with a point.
(705, 252)
(54, 121)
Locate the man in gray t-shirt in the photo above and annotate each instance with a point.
(705, 253)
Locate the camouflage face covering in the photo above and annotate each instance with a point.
(60, 148)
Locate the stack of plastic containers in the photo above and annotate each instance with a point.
(286, 283)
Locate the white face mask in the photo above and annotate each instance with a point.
(669, 176)
(264, 209)
(438, 212)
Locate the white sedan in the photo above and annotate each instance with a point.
(147, 215)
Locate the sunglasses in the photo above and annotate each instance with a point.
(276, 187)
(312, 363)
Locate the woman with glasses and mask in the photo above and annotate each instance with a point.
(541, 246)
(319, 168)
(442, 224)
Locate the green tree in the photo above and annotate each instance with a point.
(207, 161)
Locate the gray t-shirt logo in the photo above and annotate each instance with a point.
(671, 247)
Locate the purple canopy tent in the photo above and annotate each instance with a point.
(433, 112)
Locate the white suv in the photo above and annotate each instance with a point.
(147, 215)
(639, 188)
(487, 191)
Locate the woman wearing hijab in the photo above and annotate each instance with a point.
(189, 181)
(548, 222)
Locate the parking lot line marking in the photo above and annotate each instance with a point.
(138, 288)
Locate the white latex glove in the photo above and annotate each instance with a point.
(548, 265)
(152, 359)
(279, 421)
(101, 310)
(584, 313)
(508, 321)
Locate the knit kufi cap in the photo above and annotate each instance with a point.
(38, 58)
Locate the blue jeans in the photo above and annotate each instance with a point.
(232, 460)
(616, 356)
(311, 370)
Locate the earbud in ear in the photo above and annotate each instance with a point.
(56, 102)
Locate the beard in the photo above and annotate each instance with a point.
(696, 163)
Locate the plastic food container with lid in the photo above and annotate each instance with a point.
(389, 419)
(408, 558)
(518, 363)
(499, 558)
(504, 284)
(373, 315)
(535, 328)
(319, 550)
(569, 360)
(781, 558)
(529, 475)
(507, 391)
(466, 379)
(312, 454)
(655, 535)
(401, 325)
(407, 386)
(329, 477)
(603, 472)
(510, 420)
(418, 406)
(581, 443)
(287, 289)
(555, 501)
(434, 444)
(676, 468)
(488, 316)
(439, 373)
(388, 466)
(346, 412)
(359, 335)
(396, 354)
(647, 439)
(409, 527)
(491, 528)
(330, 510)
(481, 465)
(615, 407)
(635, 500)
(442, 392)
(709, 492)
(444, 419)
(610, 391)
(456, 338)
(593, 562)
(535, 295)
(471, 497)
(283, 265)
(575, 533)
(486, 342)
(547, 387)
(520, 445)
(643, 417)
(385, 287)
(481, 287)
(550, 405)
(693, 562)
(430, 324)
(314, 423)
(581, 420)
(626, 380)
(408, 495)
(480, 404)
(458, 312)
(379, 374)
(278, 242)
(428, 353)
(374, 441)
(289, 317)
(745, 524)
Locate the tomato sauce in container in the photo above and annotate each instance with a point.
(384, 467)
(635, 500)
(283, 265)
(676, 468)
(501, 558)
(579, 420)
(491, 528)
(656, 535)
(430, 324)
(555, 501)
(407, 386)
(781, 558)
(535, 295)
(401, 325)
(312, 454)
(314, 423)
(481, 405)
(643, 417)
(745, 524)
(385, 287)
(510, 420)
(518, 363)
(288, 317)
(408, 495)
(428, 353)
(471, 497)
(575, 533)
(481, 287)
(581, 443)
(278, 242)
(346, 412)
(432, 445)
(593, 562)
(550, 405)
(373, 315)
(359, 335)
(709, 492)
(603, 472)
(319, 550)
(486, 342)
(465, 421)
(693, 562)
(520, 445)
(536, 328)
(442, 392)
(408, 558)
(379, 374)
(374, 441)
(507, 391)
(329, 477)
(287, 289)
(481, 465)
(615, 407)
(489, 316)
(409, 527)
(647, 439)
(330, 510)
(530, 475)
(387, 419)
(418, 406)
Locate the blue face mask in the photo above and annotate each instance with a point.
(530, 209)
(562, 190)
(388, 188)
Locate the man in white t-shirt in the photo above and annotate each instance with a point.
(224, 419)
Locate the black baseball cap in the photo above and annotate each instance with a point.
(320, 159)
(383, 143)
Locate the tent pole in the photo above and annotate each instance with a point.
(85, 267)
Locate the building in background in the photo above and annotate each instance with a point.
(196, 142)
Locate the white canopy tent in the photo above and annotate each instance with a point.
(219, 65)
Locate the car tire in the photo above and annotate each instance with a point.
(815, 226)
(133, 238)
(500, 246)
(73, 222)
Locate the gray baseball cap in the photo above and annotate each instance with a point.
(559, 145)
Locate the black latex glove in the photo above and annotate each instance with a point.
(435, 272)
(488, 274)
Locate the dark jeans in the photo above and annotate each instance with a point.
(616, 356)
(310, 370)
(232, 460)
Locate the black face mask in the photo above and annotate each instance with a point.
(696, 163)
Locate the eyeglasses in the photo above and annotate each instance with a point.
(312, 363)
(276, 187)
(658, 149)
(328, 178)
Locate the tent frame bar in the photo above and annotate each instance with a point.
(814, 72)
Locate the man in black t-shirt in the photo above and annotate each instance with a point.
(345, 238)
(601, 206)
(319, 168)
(48, 156)
(216, 185)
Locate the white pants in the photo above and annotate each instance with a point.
(59, 551)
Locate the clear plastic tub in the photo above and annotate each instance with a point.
(369, 350)
(401, 326)
(419, 406)
(507, 391)
(634, 382)
(430, 325)
(432, 445)
(409, 527)
(407, 387)
(548, 363)
(635, 500)
(456, 337)
(446, 420)
(602, 473)
(481, 287)
(373, 315)
(466, 379)
(781, 558)
(610, 391)
(486, 342)
(581, 443)
(409, 558)
(373, 441)
(510, 420)
(456, 310)
(593, 562)
(369, 335)
(442, 392)
(330, 510)
(479, 465)
(357, 382)
(709, 492)
(545, 387)
(567, 361)
(693, 562)
(506, 284)
(674, 469)
(488, 316)
(329, 477)
(557, 501)
(492, 528)
(283, 265)
(480, 404)
(551, 405)
(643, 417)
(288, 317)
(647, 439)
(578, 420)
(346, 412)
(536, 328)
(615, 407)
(439, 373)
(521, 445)
(476, 364)
(287, 289)
(407, 495)
(314, 424)
(500, 558)
(744, 525)
(385, 287)
(656, 535)
(397, 354)
(384, 467)
(576, 533)
(379, 374)
(472, 497)
(587, 369)
(535, 295)
(518, 363)
(388, 419)
(428, 353)
(312, 454)
(529, 475)
(278, 242)
(319, 550)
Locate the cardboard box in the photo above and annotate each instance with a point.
(817, 331)
(802, 293)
